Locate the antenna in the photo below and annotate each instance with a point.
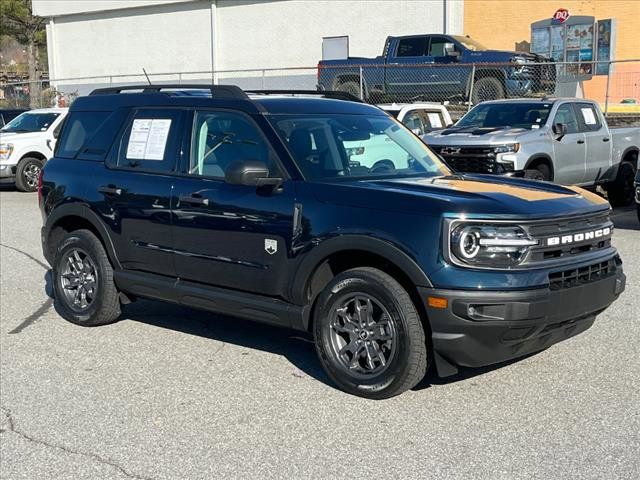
(145, 74)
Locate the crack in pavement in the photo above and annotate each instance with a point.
(28, 255)
(106, 461)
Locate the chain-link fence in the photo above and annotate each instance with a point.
(615, 85)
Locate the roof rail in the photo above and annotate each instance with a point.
(217, 91)
(333, 94)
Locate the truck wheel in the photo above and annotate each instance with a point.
(621, 191)
(540, 172)
(85, 293)
(351, 87)
(368, 334)
(27, 174)
(487, 88)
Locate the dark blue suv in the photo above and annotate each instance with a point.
(318, 214)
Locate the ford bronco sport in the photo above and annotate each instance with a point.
(249, 205)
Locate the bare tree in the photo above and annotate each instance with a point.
(17, 20)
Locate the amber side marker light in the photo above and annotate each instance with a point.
(437, 302)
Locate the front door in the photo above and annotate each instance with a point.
(225, 235)
(570, 151)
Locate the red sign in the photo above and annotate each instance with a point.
(561, 15)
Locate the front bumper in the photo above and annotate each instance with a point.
(479, 328)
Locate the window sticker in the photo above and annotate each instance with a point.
(434, 119)
(148, 138)
(589, 117)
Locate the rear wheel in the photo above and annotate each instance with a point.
(351, 87)
(487, 88)
(368, 334)
(621, 191)
(83, 284)
(27, 174)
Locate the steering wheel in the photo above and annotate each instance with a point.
(385, 165)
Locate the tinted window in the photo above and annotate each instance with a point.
(566, 115)
(150, 142)
(589, 120)
(220, 138)
(412, 47)
(78, 129)
(31, 122)
(436, 49)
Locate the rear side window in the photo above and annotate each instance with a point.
(150, 142)
(412, 47)
(78, 129)
(588, 116)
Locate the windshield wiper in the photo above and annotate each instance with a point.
(17, 130)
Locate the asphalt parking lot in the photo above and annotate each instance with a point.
(170, 393)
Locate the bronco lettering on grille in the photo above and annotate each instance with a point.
(579, 237)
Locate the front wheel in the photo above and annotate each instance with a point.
(368, 334)
(27, 174)
(487, 88)
(83, 284)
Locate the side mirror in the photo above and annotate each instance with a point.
(450, 50)
(560, 130)
(252, 173)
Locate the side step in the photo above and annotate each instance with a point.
(220, 300)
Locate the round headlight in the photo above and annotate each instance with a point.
(469, 243)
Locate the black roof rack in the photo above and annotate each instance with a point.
(217, 91)
(333, 94)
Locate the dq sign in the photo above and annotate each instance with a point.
(561, 16)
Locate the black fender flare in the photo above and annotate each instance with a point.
(541, 156)
(84, 212)
(382, 248)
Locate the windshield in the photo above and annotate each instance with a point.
(470, 43)
(515, 115)
(355, 146)
(31, 122)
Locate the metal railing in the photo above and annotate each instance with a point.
(616, 85)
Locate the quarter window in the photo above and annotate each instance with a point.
(220, 138)
(78, 129)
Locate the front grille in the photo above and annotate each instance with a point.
(582, 275)
(563, 229)
(477, 159)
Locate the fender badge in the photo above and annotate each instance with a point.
(270, 246)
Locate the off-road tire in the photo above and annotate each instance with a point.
(408, 363)
(105, 306)
(487, 88)
(621, 191)
(540, 172)
(27, 173)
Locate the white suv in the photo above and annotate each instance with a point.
(26, 142)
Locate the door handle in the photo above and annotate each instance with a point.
(110, 190)
(194, 200)
(580, 142)
(606, 139)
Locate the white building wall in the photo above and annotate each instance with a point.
(114, 37)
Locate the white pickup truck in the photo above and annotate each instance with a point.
(565, 140)
(420, 118)
(26, 142)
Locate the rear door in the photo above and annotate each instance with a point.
(598, 154)
(231, 236)
(135, 189)
(570, 151)
(407, 74)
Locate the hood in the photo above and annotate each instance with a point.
(505, 55)
(24, 137)
(473, 135)
(482, 196)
